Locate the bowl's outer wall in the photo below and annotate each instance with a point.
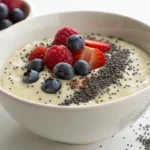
(83, 125)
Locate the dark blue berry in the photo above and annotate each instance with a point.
(51, 85)
(30, 76)
(36, 64)
(63, 71)
(3, 11)
(75, 42)
(81, 67)
(5, 24)
(17, 15)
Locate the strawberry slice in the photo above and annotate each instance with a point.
(93, 56)
(104, 47)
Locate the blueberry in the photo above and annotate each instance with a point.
(75, 42)
(3, 11)
(51, 85)
(30, 76)
(36, 64)
(63, 71)
(81, 67)
(17, 15)
(5, 24)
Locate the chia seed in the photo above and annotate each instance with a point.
(109, 74)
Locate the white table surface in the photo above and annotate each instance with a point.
(14, 137)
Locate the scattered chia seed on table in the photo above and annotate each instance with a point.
(135, 137)
(144, 139)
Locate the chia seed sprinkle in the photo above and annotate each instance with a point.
(109, 74)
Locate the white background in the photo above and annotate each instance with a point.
(14, 137)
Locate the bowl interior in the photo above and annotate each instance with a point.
(97, 22)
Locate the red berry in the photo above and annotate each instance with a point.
(104, 47)
(13, 3)
(57, 54)
(38, 52)
(62, 35)
(93, 56)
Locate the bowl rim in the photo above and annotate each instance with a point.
(80, 107)
(30, 9)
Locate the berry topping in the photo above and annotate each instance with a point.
(30, 76)
(57, 54)
(17, 15)
(51, 85)
(75, 42)
(38, 52)
(3, 11)
(63, 71)
(81, 67)
(36, 64)
(93, 56)
(62, 35)
(13, 3)
(104, 47)
(5, 24)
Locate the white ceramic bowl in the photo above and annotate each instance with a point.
(83, 124)
(27, 9)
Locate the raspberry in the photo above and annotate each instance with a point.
(57, 54)
(38, 52)
(62, 35)
(12, 4)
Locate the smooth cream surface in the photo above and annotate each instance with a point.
(11, 78)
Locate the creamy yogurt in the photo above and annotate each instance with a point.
(133, 79)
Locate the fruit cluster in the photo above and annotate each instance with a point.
(10, 13)
(69, 54)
